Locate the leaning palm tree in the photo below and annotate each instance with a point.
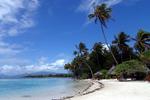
(102, 14)
(142, 41)
(83, 56)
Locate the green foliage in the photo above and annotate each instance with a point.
(104, 74)
(121, 42)
(84, 76)
(86, 62)
(146, 54)
(97, 59)
(102, 13)
(142, 41)
(145, 57)
(129, 67)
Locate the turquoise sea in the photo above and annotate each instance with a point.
(39, 89)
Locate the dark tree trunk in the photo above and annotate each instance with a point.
(108, 44)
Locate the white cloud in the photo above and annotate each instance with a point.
(7, 49)
(59, 62)
(87, 5)
(16, 16)
(27, 69)
(10, 54)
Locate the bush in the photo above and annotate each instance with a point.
(104, 73)
(132, 69)
(84, 76)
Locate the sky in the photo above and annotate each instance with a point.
(40, 35)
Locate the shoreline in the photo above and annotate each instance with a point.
(93, 87)
(107, 89)
(115, 90)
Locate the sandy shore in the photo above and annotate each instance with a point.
(108, 90)
(114, 90)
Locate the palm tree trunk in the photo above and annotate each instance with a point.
(121, 57)
(89, 69)
(108, 44)
(97, 59)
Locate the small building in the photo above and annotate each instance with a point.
(98, 75)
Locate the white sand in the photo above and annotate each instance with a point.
(114, 90)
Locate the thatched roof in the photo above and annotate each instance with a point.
(97, 73)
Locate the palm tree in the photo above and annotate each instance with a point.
(98, 50)
(75, 53)
(83, 56)
(142, 41)
(121, 42)
(102, 14)
(81, 49)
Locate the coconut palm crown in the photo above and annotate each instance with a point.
(101, 13)
(142, 41)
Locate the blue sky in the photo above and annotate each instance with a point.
(40, 35)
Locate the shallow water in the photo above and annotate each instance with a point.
(11, 89)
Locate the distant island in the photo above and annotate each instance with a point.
(49, 75)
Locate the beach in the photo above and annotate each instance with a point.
(97, 90)
(115, 90)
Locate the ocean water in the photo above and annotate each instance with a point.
(39, 89)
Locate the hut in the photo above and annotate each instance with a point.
(98, 75)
